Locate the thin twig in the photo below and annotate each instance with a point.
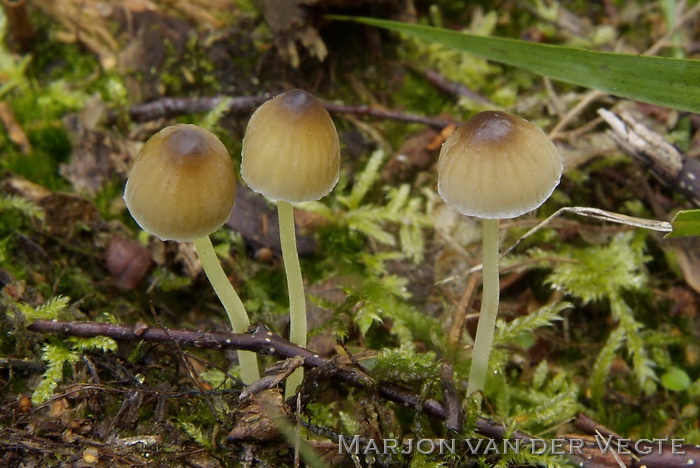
(263, 341)
(663, 40)
(386, 115)
(172, 107)
(188, 366)
(588, 98)
(668, 163)
(462, 308)
(453, 407)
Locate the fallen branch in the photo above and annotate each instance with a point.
(667, 162)
(172, 107)
(263, 341)
(386, 114)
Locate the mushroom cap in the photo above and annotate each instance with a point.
(182, 185)
(290, 149)
(497, 165)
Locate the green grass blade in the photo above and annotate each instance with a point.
(667, 82)
(686, 223)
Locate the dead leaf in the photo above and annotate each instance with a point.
(20, 186)
(203, 460)
(14, 130)
(128, 414)
(295, 22)
(156, 40)
(58, 407)
(687, 253)
(255, 420)
(65, 213)
(274, 375)
(416, 154)
(128, 261)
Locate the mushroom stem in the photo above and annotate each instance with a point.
(489, 308)
(232, 304)
(295, 285)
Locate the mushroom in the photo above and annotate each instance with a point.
(182, 187)
(291, 154)
(495, 166)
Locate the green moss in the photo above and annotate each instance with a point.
(405, 365)
(419, 96)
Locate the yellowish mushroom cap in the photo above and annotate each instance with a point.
(497, 165)
(290, 149)
(182, 185)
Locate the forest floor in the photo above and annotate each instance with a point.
(114, 349)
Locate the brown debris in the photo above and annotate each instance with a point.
(67, 213)
(17, 185)
(274, 375)
(97, 154)
(187, 257)
(649, 148)
(687, 254)
(98, 25)
(127, 260)
(128, 414)
(416, 154)
(255, 420)
(257, 222)
(141, 62)
(290, 23)
(295, 22)
(19, 24)
(684, 303)
(14, 130)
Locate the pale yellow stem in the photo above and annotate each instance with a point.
(489, 308)
(231, 302)
(295, 286)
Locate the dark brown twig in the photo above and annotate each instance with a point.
(19, 24)
(171, 107)
(668, 163)
(653, 453)
(263, 341)
(188, 366)
(592, 427)
(455, 415)
(386, 114)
